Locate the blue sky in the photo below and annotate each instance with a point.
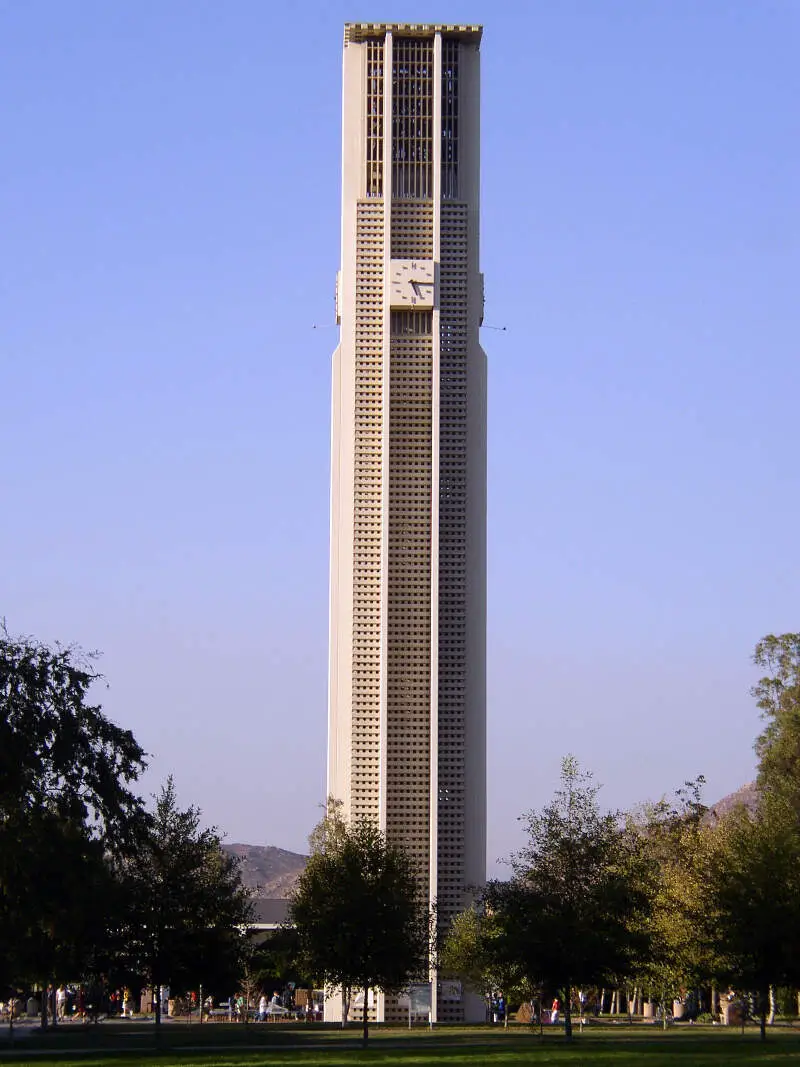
(169, 209)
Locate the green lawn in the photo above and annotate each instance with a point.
(318, 1047)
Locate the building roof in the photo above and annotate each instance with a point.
(360, 31)
(268, 912)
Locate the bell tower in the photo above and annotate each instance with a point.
(407, 695)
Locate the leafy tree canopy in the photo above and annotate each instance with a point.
(66, 801)
(187, 909)
(575, 911)
(752, 914)
(55, 886)
(676, 837)
(777, 694)
(57, 749)
(358, 911)
(475, 951)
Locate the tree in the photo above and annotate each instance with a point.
(57, 750)
(187, 910)
(752, 918)
(53, 904)
(574, 913)
(474, 950)
(65, 802)
(358, 912)
(752, 872)
(676, 838)
(276, 959)
(778, 696)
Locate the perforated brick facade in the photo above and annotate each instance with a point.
(407, 744)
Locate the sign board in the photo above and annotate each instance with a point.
(419, 998)
(450, 991)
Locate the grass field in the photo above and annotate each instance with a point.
(223, 1046)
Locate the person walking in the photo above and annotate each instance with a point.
(262, 1008)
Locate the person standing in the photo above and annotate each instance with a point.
(262, 1008)
(61, 1001)
(554, 1011)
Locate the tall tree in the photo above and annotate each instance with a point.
(677, 837)
(358, 911)
(57, 749)
(66, 801)
(752, 914)
(187, 910)
(53, 898)
(574, 913)
(777, 694)
(753, 870)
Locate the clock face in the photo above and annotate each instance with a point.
(412, 283)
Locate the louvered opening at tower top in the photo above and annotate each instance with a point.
(449, 119)
(412, 119)
(374, 101)
(412, 125)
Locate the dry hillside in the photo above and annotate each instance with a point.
(273, 872)
(269, 871)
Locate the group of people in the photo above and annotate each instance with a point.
(498, 1008)
(272, 1007)
(62, 1002)
(530, 1011)
(13, 1007)
(82, 1002)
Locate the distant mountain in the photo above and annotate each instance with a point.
(747, 795)
(270, 872)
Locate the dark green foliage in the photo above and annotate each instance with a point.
(65, 805)
(476, 951)
(752, 916)
(358, 913)
(57, 750)
(277, 960)
(55, 886)
(186, 909)
(786, 1000)
(574, 914)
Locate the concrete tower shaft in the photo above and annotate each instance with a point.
(407, 699)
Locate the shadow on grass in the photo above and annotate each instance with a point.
(333, 1048)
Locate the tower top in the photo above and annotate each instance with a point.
(361, 31)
